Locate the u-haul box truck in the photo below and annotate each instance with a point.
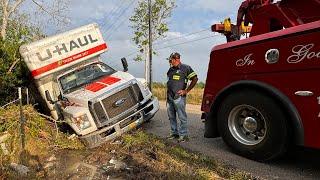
(98, 102)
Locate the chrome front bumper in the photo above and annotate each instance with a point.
(144, 113)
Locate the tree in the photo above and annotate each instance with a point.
(10, 7)
(13, 73)
(18, 29)
(161, 11)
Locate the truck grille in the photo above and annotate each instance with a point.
(120, 103)
(100, 112)
(126, 100)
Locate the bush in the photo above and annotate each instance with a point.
(13, 71)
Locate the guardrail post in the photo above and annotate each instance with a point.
(22, 121)
(27, 94)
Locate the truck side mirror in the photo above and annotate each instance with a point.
(48, 97)
(124, 64)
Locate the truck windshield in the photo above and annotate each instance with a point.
(80, 77)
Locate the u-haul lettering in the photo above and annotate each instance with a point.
(55, 53)
(66, 47)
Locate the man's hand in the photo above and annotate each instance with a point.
(182, 92)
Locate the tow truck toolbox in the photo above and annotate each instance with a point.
(98, 102)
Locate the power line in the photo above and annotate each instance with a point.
(134, 52)
(185, 42)
(112, 62)
(161, 42)
(186, 35)
(121, 14)
(119, 25)
(177, 44)
(112, 13)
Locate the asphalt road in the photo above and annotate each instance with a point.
(298, 163)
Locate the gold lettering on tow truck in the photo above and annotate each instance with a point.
(302, 52)
(246, 61)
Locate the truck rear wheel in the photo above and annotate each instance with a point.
(253, 125)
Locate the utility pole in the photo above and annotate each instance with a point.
(149, 64)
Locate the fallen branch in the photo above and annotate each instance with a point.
(53, 120)
(13, 65)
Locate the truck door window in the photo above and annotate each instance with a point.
(86, 75)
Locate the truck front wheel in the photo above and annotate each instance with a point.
(253, 125)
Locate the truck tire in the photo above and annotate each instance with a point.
(253, 125)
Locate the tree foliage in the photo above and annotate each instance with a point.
(13, 71)
(10, 8)
(17, 29)
(161, 11)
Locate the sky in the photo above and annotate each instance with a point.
(189, 17)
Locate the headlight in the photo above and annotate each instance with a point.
(82, 122)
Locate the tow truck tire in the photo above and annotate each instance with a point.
(253, 125)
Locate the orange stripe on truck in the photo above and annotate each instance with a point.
(94, 87)
(109, 80)
(102, 83)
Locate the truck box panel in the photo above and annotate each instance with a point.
(63, 50)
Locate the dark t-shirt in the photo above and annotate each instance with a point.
(177, 80)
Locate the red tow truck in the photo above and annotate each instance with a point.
(262, 93)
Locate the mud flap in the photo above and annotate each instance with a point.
(210, 127)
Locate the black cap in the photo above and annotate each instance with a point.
(174, 55)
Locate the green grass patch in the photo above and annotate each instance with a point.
(41, 139)
(194, 97)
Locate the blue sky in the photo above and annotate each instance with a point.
(189, 16)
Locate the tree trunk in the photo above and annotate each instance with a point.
(4, 27)
(4, 21)
(6, 13)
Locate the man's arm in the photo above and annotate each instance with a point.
(194, 81)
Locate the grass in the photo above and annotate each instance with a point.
(174, 162)
(147, 156)
(41, 139)
(194, 97)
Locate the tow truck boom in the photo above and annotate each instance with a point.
(266, 16)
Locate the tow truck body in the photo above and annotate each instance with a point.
(262, 92)
(98, 102)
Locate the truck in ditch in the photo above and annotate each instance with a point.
(97, 101)
(262, 93)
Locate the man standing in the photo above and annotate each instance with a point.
(178, 76)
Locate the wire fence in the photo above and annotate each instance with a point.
(23, 98)
(22, 119)
(24, 92)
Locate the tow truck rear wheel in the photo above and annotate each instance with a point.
(253, 125)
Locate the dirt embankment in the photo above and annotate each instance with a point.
(136, 155)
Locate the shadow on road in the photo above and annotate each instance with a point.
(301, 157)
(297, 163)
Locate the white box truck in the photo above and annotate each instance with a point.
(98, 102)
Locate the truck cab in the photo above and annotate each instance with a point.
(262, 92)
(98, 102)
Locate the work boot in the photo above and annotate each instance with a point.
(183, 138)
(172, 136)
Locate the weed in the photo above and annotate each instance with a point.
(40, 138)
(178, 163)
(193, 97)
